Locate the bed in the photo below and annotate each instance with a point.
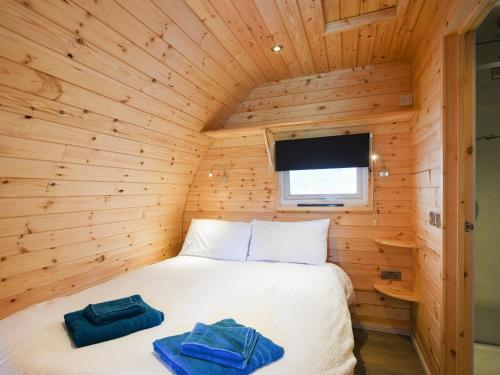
(303, 308)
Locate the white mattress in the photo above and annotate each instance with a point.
(302, 308)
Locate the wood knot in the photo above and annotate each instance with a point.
(28, 117)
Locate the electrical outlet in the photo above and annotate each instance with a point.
(432, 218)
(391, 275)
(405, 100)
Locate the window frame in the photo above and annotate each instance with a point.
(359, 199)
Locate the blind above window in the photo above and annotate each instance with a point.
(342, 151)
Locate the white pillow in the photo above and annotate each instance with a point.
(217, 239)
(295, 242)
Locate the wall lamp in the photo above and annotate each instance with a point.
(377, 157)
(211, 173)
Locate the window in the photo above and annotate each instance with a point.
(343, 186)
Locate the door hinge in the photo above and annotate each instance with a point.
(468, 227)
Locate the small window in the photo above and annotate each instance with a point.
(342, 186)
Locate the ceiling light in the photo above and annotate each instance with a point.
(277, 48)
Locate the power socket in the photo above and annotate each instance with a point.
(405, 100)
(391, 275)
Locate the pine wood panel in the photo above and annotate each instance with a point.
(426, 196)
(97, 150)
(252, 192)
(332, 95)
(201, 58)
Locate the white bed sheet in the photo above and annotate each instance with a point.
(301, 307)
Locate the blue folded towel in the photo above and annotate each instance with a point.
(227, 343)
(169, 350)
(105, 312)
(83, 332)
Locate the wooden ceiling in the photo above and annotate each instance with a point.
(201, 58)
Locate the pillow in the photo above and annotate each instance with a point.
(217, 239)
(295, 242)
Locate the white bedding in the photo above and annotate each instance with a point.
(302, 308)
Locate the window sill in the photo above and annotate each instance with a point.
(345, 210)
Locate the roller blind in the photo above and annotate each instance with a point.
(342, 151)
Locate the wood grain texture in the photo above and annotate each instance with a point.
(333, 96)
(438, 343)
(427, 194)
(97, 151)
(252, 191)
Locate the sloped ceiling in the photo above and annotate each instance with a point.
(201, 58)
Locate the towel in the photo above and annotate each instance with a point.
(83, 332)
(169, 351)
(105, 312)
(227, 343)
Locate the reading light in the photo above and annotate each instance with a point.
(277, 48)
(384, 172)
(211, 173)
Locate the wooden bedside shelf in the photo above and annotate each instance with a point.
(396, 243)
(397, 292)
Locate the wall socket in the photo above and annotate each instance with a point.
(391, 275)
(435, 219)
(405, 100)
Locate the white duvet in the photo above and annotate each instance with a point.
(300, 307)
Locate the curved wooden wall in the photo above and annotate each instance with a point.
(96, 156)
(251, 191)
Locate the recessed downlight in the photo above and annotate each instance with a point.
(277, 48)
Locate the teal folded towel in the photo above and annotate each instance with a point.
(105, 312)
(228, 344)
(169, 351)
(83, 332)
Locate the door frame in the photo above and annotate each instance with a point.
(459, 129)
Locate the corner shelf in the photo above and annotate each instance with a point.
(396, 243)
(397, 292)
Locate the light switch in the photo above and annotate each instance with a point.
(438, 220)
(432, 218)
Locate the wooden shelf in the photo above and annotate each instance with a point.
(397, 292)
(313, 123)
(396, 243)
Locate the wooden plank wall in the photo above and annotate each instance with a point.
(252, 192)
(96, 156)
(366, 90)
(427, 188)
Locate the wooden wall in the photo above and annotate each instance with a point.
(252, 191)
(427, 184)
(367, 90)
(96, 153)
